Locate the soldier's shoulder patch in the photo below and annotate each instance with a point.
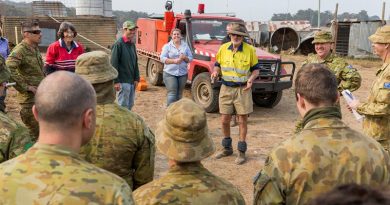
(349, 66)
(386, 85)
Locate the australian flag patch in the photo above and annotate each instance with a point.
(386, 85)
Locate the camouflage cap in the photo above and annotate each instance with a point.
(237, 29)
(382, 35)
(129, 25)
(183, 134)
(323, 37)
(95, 67)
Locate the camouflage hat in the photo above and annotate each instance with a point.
(183, 134)
(237, 29)
(323, 37)
(95, 67)
(382, 35)
(129, 25)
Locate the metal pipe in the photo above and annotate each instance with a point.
(383, 12)
(16, 35)
(319, 13)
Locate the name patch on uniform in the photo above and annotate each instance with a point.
(386, 85)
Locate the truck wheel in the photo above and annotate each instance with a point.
(203, 93)
(154, 72)
(269, 100)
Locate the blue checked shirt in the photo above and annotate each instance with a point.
(169, 51)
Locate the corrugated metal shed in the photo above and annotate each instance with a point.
(101, 30)
(51, 8)
(351, 37)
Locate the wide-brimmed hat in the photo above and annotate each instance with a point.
(183, 134)
(95, 67)
(382, 35)
(237, 29)
(323, 37)
(129, 25)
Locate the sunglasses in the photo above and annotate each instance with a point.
(235, 35)
(34, 31)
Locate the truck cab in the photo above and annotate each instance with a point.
(204, 34)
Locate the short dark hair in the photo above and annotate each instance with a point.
(63, 97)
(317, 84)
(27, 25)
(64, 27)
(353, 194)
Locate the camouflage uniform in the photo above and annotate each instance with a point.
(377, 110)
(183, 137)
(14, 138)
(190, 183)
(25, 64)
(52, 174)
(4, 76)
(347, 76)
(123, 143)
(324, 154)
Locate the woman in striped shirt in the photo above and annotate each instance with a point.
(62, 54)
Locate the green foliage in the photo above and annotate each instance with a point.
(122, 16)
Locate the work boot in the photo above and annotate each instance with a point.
(241, 147)
(240, 158)
(227, 148)
(224, 153)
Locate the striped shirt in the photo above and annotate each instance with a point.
(59, 57)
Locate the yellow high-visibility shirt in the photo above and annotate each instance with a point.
(236, 67)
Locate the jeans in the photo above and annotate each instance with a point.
(175, 86)
(126, 95)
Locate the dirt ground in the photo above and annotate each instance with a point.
(266, 127)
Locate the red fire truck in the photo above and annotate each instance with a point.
(204, 33)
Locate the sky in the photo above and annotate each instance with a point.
(250, 10)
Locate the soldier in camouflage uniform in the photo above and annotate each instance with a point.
(348, 77)
(324, 154)
(14, 138)
(183, 137)
(123, 143)
(52, 172)
(376, 111)
(25, 63)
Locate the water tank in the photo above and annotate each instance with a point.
(108, 8)
(90, 7)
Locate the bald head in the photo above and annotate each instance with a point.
(62, 98)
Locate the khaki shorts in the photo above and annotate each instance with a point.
(235, 99)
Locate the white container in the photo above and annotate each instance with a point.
(107, 8)
(90, 7)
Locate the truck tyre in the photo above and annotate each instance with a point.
(268, 100)
(154, 72)
(203, 93)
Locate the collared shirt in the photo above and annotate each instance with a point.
(326, 153)
(60, 57)
(189, 183)
(54, 174)
(73, 45)
(236, 66)
(4, 48)
(125, 39)
(169, 51)
(347, 76)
